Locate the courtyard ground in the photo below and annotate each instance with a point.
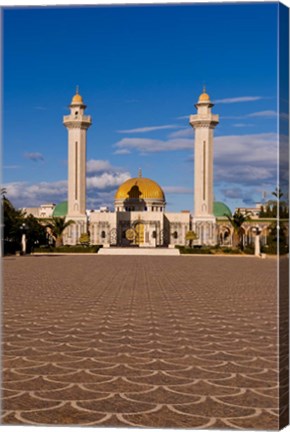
(183, 342)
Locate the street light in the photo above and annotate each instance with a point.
(23, 238)
(256, 230)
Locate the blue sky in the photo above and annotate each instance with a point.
(140, 71)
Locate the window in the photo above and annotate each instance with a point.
(103, 234)
(154, 234)
(145, 208)
(175, 235)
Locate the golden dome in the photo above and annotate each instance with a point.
(77, 99)
(141, 188)
(204, 97)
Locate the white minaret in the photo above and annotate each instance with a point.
(204, 123)
(77, 124)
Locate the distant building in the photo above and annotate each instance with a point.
(42, 212)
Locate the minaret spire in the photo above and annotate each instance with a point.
(77, 124)
(140, 172)
(204, 122)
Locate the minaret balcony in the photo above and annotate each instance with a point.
(86, 119)
(206, 120)
(77, 122)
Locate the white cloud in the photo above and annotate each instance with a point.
(258, 114)
(246, 196)
(183, 117)
(177, 190)
(95, 165)
(11, 166)
(122, 151)
(259, 148)
(240, 174)
(186, 132)
(107, 180)
(147, 145)
(148, 129)
(242, 125)
(238, 99)
(23, 194)
(246, 159)
(34, 156)
(264, 114)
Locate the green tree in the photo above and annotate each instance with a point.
(57, 226)
(276, 234)
(84, 239)
(191, 236)
(12, 222)
(273, 205)
(237, 221)
(35, 232)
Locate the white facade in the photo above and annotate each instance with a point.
(139, 228)
(43, 212)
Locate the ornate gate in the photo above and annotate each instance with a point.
(113, 236)
(139, 233)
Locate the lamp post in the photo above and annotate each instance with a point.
(23, 238)
(257, 232)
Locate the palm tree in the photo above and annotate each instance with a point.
(57, 226)
(237, 220)
(278, 193)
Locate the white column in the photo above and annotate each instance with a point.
(204, 123)
(77, 124)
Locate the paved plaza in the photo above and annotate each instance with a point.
(183, 342)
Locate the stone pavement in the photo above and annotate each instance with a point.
(140, 341)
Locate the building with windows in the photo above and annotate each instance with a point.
(140, 218)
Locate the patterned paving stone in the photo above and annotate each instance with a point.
(183, 342)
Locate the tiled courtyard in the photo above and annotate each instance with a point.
(183, 342)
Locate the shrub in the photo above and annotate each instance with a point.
(229, 250)
(69, 249)
(194, 251)
(249, 249)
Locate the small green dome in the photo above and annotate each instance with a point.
(60, 210)
(220, 209)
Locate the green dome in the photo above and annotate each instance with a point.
(220, 209)
(60, 210)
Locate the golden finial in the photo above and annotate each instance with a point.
(77, 89)
(140, 173)
(204, 97)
